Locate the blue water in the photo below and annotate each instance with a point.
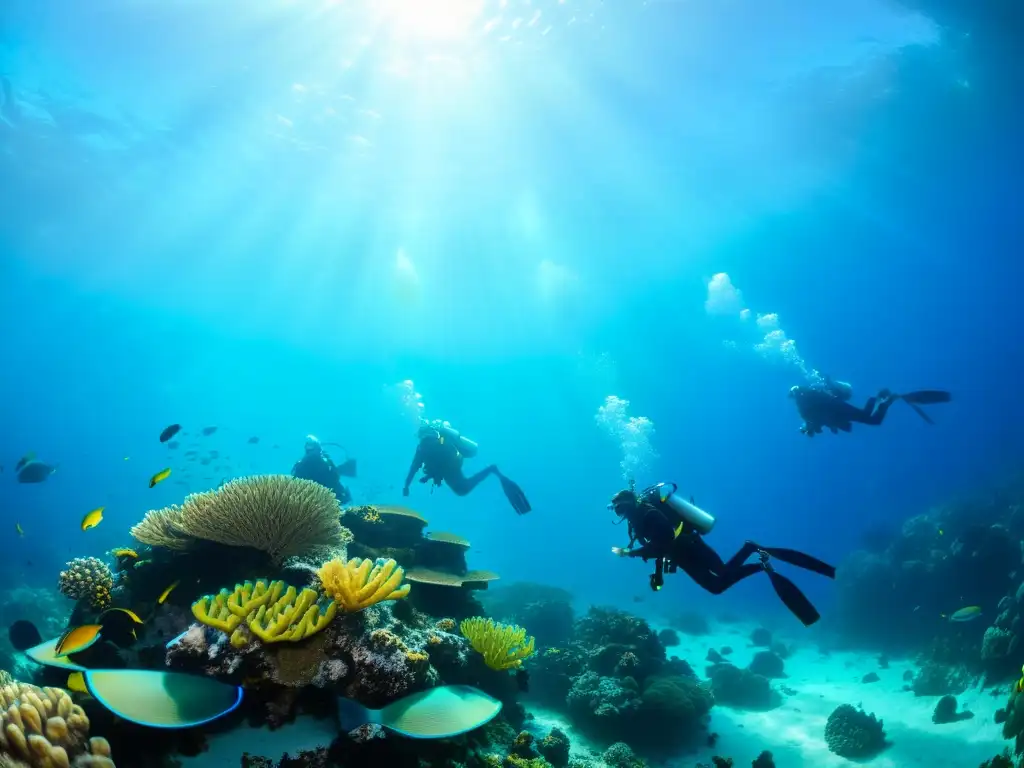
(267, 218)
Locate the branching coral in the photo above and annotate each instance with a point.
(277, 514)
(87, 578)
(358, 584)
(503, 646)
(273, 611)
(43, 728)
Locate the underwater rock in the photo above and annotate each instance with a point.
(668, 637)
(870, 677)
(714, 656)
(690, 623)
(619, 755)
(945, 712)
(555, 748)
(997, 644)
(853, 733)
(763, 760)
(938, 680)
(761, 638)
(741, 688)
(767, 664)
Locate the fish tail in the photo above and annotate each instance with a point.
(352, 714)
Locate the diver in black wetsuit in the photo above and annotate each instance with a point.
(827, 405)
(317, 466)
(671, 530)
(440, 452)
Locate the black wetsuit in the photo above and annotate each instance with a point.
(656, 533)
(319, 468)
(674, 547)
(441, 462)
(820, 408)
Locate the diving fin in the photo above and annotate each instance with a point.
(791, 596)
(802, 560)
(927, 397)
(347, 469)
(515, 495)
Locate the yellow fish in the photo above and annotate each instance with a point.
(167, 593)
(77, 639)
(76, 683)
(127, 612)
(1020, 683)
(18, 529)
(124, 552)
(93, 519)
(159, 477)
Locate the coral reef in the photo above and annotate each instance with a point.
(277, 514)
(43, 728)
(742, 688)
(545, 609)
(853, 733)
(767, 664)
(88, 579)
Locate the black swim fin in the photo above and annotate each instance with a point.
(802, 560)
(791, 596)
(347, 469)
(926, 397)
(515, 495)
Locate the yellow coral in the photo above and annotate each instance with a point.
(43, 728)
(416, 657)
(277, 514)
(358, 584)
(503, 646)
(371, 514)
(445, 625)
(272, 611)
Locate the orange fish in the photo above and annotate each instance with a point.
(77, 639)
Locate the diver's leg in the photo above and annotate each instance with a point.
(704, 565)
(717, 583)
(462, 485)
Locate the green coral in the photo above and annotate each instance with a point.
(853, 733)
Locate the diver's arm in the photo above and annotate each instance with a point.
(417, 462)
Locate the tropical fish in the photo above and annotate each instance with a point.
(18, 529)
(169, 432)
(122, 611)
(167, 593)
(207, 431)
(77, 639)
(970, 613)
(160, 699)
(124, 552)
(1020, 683)
(92, 519)
(120, 625)
(35, 472)
(30, 456)
(437, 713)
(76, 683)
(159, 477)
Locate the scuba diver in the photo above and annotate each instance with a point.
(671, 530)
(827, 405)
(440, 452)
(317, 466)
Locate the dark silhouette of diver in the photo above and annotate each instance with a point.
(317, 466)
(671, 531)
(440, 452)
(827, 405)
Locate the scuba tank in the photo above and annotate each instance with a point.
(687, 511)
(466, 447)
